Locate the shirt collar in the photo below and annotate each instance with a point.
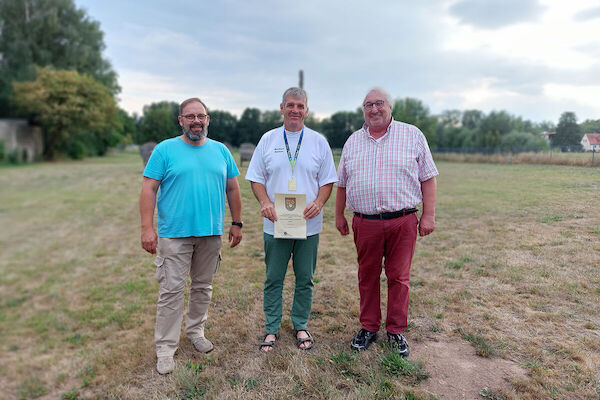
(292, 133)
(366, 129)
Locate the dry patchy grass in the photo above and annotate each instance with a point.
(547, 158)
(512, 269)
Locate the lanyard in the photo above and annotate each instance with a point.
(287, 147)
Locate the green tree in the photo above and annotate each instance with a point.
(340, 126)
(49, 33)
(472, 118)
(497, 121)
(128, 124)
(222, 126)
(451, 117)
(158, 122)
(590, 126)
(68, 106)
(465, 139)
(270, 120)
(522, 141)
(313, 122)
(545, 126)
(414, 112)
(568, 132)
(448, 125)
(248, 127)
(522, 125)
(492, 127)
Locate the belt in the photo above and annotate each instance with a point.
(388, 215)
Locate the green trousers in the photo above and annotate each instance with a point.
(304, 261)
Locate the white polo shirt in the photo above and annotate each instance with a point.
(314, 168)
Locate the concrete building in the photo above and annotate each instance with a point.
(18, 135)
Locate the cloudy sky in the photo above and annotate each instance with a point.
(533, 58)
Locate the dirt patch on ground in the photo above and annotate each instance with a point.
(456, 372)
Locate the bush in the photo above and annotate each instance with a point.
(13, 157)
(67, 105)
(91, 144)
(518, 142)
(2, 150)
(76, 149)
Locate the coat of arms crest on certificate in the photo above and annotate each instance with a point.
(290, 203)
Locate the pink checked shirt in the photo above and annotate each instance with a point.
(385, 174)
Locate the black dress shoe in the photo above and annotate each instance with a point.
(363, 339)
(398, 343)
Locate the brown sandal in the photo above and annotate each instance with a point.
(270, 343)
(299, 341)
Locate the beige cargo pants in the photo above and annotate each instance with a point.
(198, 257)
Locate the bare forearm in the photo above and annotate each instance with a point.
(429, 188)
(147, 204)
(234, 199)
(260, 192)
(267, 208)
(340, 201)
(323, 194)
(314, 208)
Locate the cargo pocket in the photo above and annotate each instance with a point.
(218, 262)
(160, 270)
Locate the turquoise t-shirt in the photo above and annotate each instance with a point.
(191, 196)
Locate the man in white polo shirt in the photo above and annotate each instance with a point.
(291, 159)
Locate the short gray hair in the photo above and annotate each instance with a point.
(192, 100)
(294, 92)
(384, 92)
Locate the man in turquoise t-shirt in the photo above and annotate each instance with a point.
(194, 175)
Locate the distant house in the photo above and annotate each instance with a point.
(591, 142)
(547, 136)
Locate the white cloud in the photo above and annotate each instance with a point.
(584, 95)
(477, 96)
(140, 89)
(237, 55)
(552, 41)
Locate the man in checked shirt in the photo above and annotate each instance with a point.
(385, 171)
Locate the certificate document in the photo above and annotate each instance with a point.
(290, 222)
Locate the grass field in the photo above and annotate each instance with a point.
(513, 269)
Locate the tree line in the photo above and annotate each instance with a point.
(52, 72)
(453, 130)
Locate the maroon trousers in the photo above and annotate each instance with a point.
(393, 240)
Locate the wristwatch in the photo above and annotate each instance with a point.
(240, 224)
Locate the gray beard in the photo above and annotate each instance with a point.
(195, 137)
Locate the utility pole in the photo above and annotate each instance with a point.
(301, 79)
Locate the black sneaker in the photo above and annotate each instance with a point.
(398, 343)
(363, 339)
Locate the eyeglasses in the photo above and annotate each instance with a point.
(191, 117)
(368, 105)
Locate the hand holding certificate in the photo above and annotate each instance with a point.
(290, 222)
